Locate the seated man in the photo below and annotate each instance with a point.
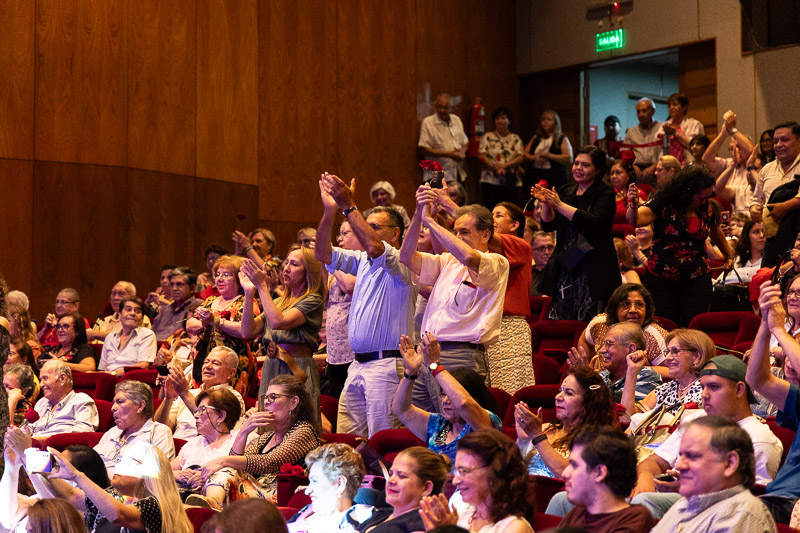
(67, 301)
(717, 468)
(219, 369)
(172, 317)
(162, 296)
(133, 344)
(62, 410)
(600, 475)
(784, 491)
(113, 322)
(725, 394)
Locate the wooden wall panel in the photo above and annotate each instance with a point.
(697, 79)
(162, 102)
(286, 231)
(77, 243)
(81, 82)
(161, 215)
(16, 90)
(16, 219)
(218, 204)
(227, 90)
(376, 103)
(299, 131)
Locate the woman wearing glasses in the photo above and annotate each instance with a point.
(630, 302)
(291, 322)
(250, 471)
(217, 412)
(493, 483)
(72, 347)
(221, 317)
(132, 410)
(687, 351)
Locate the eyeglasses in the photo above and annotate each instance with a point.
(343, 234)
(267, 399)
(461, 471)
(675, 351)
(63, 327)
(223, 275)
(65, 302)
(545, 248)
(627, 304)
(377, 227)
(793, 293)
(203, 409)
(609, 343)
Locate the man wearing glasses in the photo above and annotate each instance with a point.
(381, 311)
(68, 301)
(62, 410)
(543, 246)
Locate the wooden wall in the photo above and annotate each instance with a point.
(133, 132)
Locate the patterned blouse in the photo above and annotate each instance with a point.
(241, 346)
(338, 313)
(679, 245)
(299, 440)
(501, 149)
(148, 507)
(667, 394)
(654, 336)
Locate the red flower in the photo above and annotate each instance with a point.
(430, 165)
(226, 314)
(627, 156)
(286, 468)
(541, 183)
(298, 470)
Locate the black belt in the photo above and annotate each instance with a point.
(452, 345)
(366, 357)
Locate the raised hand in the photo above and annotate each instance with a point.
(577, 358)
(339, 191)
(429, 346)
(530, 423)
(435, 511)
(257, 276)
(327, 200)
(633, 195)
(411, 357)
(636, 361)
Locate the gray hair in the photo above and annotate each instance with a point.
(339, 459)
(72, 293)
(483, 217)
(629, 333)
(386, 186)
(649, 100)
(137, 392)
(24, 374)
(231, 357)
(59, 367)
(19, 299)
(130, 288)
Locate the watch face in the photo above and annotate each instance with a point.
(433, 366)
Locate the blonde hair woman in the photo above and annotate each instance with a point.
(291, 322)
(666, 168)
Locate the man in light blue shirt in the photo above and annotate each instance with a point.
(382, 308)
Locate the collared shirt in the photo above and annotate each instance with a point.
(172, 317)
(112, 445)
(113, 323)
(460, 309)
(731, 510)
(638, 135)
(382, 308)
(646, 380)
(183, 418)
(75, 413)
(436, 134)
(141, 346)
(770, 177)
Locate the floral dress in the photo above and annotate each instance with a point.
(500, 149)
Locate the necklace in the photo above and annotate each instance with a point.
(683, 390)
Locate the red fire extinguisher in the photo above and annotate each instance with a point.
(476, 126)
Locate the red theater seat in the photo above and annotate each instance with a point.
(537, 396)
(389, 442)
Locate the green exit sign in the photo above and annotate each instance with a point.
(610, 40)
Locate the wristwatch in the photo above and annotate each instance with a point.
(435, 368)
(410, 377)
(349, 210)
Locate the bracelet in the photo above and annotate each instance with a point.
(231, 452)
(751, 167)
(349, 210)
(539, 438)
(247, 249)
(439, 369)
(410, 377)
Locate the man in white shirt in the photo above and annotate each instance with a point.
(645, 137)
(465, 306)
(113, 322)
(177, 409)
(442, 139)
(62, 410)
(132, 344)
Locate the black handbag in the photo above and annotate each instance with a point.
(731, 296)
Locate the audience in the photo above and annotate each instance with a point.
(50, 515)
(22, 330)
(383, 195)
(734, 183)
(620, 175)
(645, 140)
(749, 252)
(205, 285)
(599, 477)
(542, 246)
(442, 139)
(22, 389)
(61, 409)
(258, 246)
(307, 237)
(103, 327)
(610, 144)
(500, 153)
(667, 167)
(162, 296)
(717, 469)
(72, 348)
(172, 317)
(698, 147)
(67, 301)
(548, 154)
(131, 346)
(680, 128)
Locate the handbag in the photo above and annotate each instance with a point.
(650, 431)
(730, 296)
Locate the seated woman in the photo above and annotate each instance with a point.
(687, 351)
(72, 347)
(383, 194)
(142, 497)
(492, 480)
(467, 404)
(415, 473)
(250, 471)
(291, 321)
(584, 400)
(22, 329)
(335, 472)
(218, 410)
(133, 412)
(22, 390)
(220, 317)
(133, 345)
(749, 252)
(630, 302)
(626, 264)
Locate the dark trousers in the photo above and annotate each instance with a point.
(680, 301)
(336, 374)
(780, 507)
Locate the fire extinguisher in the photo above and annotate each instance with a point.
(476, 126)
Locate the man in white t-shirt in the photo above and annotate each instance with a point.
(442, 139)
(645, 136)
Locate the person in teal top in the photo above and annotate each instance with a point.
(467, 405)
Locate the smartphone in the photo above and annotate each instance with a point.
(38, 461)
(665, 477)
(726, 217)
(162, 370)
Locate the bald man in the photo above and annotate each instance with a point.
(108, 325)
